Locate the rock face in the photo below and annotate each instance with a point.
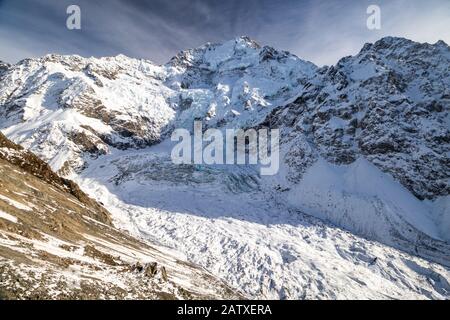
(389, 104)
(83, 106)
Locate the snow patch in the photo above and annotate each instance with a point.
(16, 204)
(360, 198)
(8, 217)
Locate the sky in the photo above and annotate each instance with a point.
(315, 30)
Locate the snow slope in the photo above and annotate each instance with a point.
(361, 198)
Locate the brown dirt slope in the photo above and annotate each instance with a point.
(57, 243)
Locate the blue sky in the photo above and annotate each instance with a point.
(315, 30)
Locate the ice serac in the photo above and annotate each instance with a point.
(364, 148)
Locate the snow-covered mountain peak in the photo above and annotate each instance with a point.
(211, 55)
(108, 67)
(235, 55)
(403, 56)
(236, 82)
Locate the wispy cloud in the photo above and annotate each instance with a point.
(319, 31)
